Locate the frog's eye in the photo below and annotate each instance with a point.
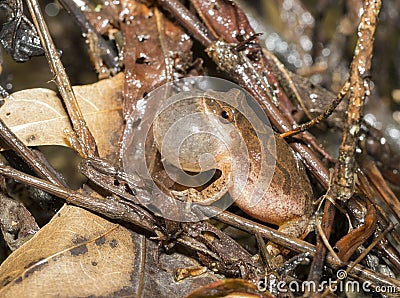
(227, 114)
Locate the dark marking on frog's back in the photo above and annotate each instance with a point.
(282, 150)
(285, 176)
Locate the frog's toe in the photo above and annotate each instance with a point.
(180, 195)
(297, 228)
(190, 195)
(277, 259)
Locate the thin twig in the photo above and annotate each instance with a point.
(378, 182)
(109, 207)
(359, 272)
(342, 187)
(188, 20)
(28, 155)
(109, 54)
(86, 140)
(321, 117)
(361, 256)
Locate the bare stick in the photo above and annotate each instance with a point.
(343, 178)
(109, 207)
(358, 271)
(86, 141)
(190, 22)
(109, 54)
(321, 117)
(342, 185)
(28, 155)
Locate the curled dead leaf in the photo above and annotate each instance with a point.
(38, 118)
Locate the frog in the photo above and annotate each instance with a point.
(285, 200)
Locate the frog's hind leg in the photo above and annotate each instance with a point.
(297, 228)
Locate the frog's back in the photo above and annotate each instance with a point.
(289, 195)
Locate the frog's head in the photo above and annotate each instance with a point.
(199, 133)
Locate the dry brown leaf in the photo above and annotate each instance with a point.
(81, 254)
(38, 118)
(77, 253)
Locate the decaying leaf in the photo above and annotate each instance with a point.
(38, 118)
(156, 50)
(74, 252)
(81, 254)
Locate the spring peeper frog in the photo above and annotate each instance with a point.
(203, 132)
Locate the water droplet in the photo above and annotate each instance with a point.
(142, 37)
(326, 52)
(287, 4)
(307, 18)
(306, 43)
(52, 9)
(393, 132)
(313, 97)
(370, 119)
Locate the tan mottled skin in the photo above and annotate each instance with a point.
(288, 200)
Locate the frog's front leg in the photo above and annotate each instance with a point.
(210, 194)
